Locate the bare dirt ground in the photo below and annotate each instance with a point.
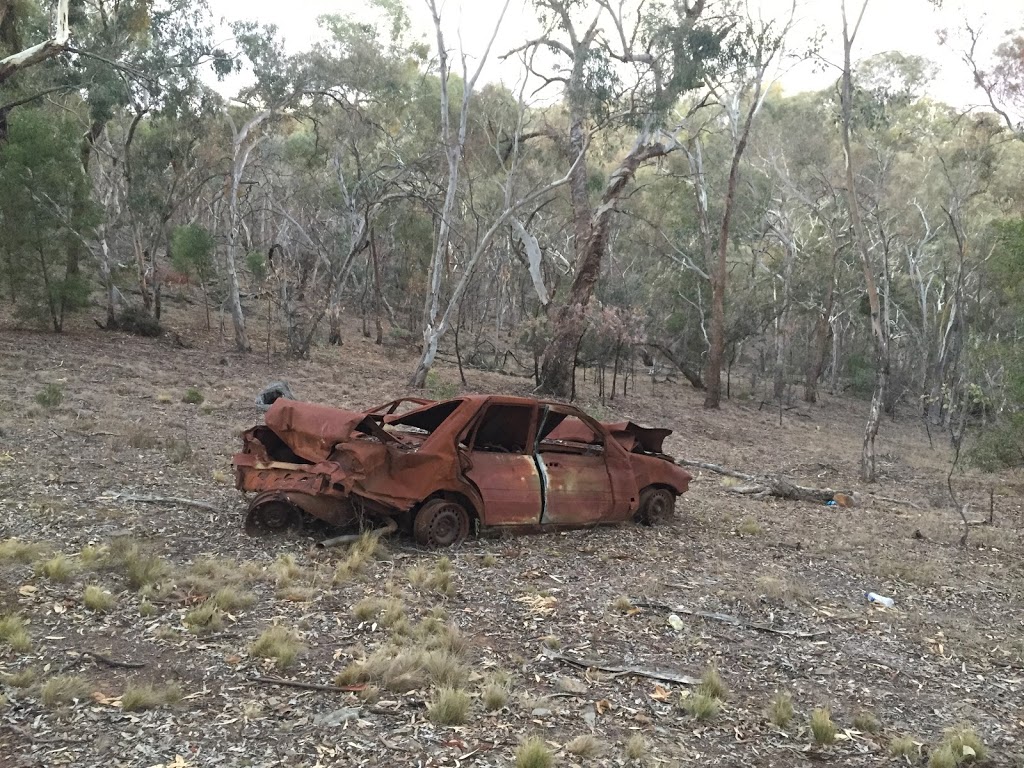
(497, 612)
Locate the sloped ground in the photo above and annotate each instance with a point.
(492, 617)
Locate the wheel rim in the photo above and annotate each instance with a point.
(661, 504)
(444, 526)
(270, 516)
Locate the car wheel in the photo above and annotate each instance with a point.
(271, 515)
(656, 504)
(441, 523)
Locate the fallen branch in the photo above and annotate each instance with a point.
(769, 485)
(160, 500)
(906, 502)
(727, 619)
(349, 538)
(310, 686)
(655, 673)
(113, 662)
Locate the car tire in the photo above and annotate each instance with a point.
(656, 505)
(441, 523)
(271, 515)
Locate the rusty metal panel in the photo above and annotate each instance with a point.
(578, 489)
(510, 486)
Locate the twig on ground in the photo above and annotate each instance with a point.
(727, 619)
(160, 500)
(310, 686)
(654, 673)
(113, 662)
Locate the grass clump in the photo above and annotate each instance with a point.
(552, 642)
(147, 609)
(701, 706)
(91, 556)
(230, 599)
(204, 619)
(489, 560)
(95, 598)
(178, 451)
(139, 568)
(822, 728)
(450, 706)
(636, 749)
(867, 722)
(193, 396)
(585, 746)
(137, 698)
(711, 684)
(904, 747)
(445, 669)
(749, 527)
(23, 678)
(14, 550)
(622, 604)
(780, 711)
(59, 568)
(278, 643)
(285, 570)
(943, 757)
(965, 744)
(437, 579)
(361, 553)
(50, 396)
(494, 697)
(532, 752)
(14, 634)
(64, 689)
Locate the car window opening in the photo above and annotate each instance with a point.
(504, 429)
(425, 420)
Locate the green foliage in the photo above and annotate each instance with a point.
(51, 395)
(192, 396)
(135, 319)
(256, 263)
(192, 250)
(44, 209)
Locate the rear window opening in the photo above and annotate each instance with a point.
(425, 420)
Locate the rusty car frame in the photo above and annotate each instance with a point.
(437, 469)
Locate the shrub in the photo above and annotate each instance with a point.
(50, 396)
(192, 396)
(137, 321)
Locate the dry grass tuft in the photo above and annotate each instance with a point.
(942, 757)
(437, 579)
(532, 752)
(711, 684)
(147, 609)
(779, 590)
(14, 634)
(489, 560)
(23, 678)
(139, 567)
(64, 689)
(177, 451)
(192, 396)
(15, 550)
(622, 604)
(278, 643)
(494, 697)
(552, 642)
(701, 706)
(867, 722)
(445, 669)
(59, 568)
(905, 747)
(780, 711)
(636, 750)
(450, 706)
(91, 556)
(285, 570)
(204, 619)
(230, 599)
(749, 527)
(296, 594)
(137, 698)
(96, 598)
(586, 746)
(965, 744)
(361, 554)
(822, 728)
(139, 438)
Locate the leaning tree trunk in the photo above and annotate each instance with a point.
(559, 356)
(820, 335)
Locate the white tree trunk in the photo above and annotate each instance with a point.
(37, 54)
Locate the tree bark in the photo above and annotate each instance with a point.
(559, 362)
(37, 54)
(820, 336)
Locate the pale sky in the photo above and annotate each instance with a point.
(906, 25)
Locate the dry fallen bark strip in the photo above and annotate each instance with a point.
(160, 500)
(113, 662)
(654, 673)
(769, 485)
(309, 686)
(727, 619)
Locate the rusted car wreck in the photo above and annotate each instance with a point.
(436, 469)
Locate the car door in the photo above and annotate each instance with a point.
(499, 447)
(572, 458)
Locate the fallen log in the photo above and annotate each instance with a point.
(772, 485)
(734, 620)
(654, 673)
